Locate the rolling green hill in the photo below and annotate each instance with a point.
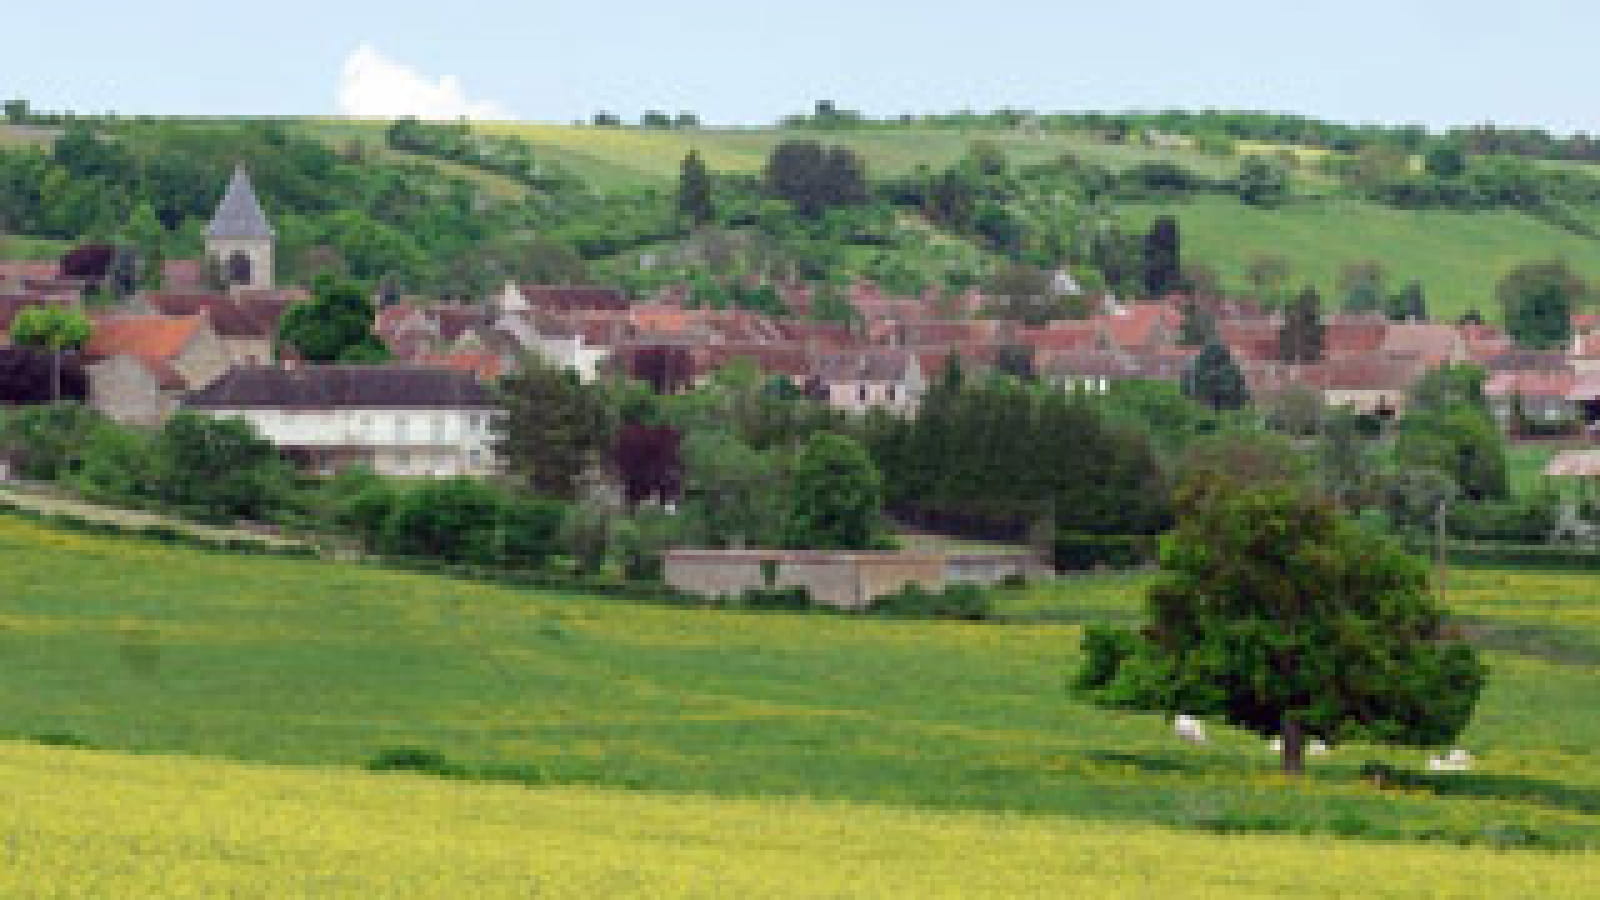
(136, 646)
(1458, 256)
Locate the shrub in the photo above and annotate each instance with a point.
(786, 599)
(1520, 521)
(957, 601)
(1074, 550)
(411, 759)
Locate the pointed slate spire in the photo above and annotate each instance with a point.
(239, 214)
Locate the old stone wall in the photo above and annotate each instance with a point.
(842, 580)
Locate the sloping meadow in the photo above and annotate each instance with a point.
(137, 646)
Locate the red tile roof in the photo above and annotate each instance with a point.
(1141, 324)
(148, 337)
(229, 317)
(1531, 383)
(569, 298)
(486, 367)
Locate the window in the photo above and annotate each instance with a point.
(399, 427)
(438, 428)
(861, 394)
(239, 268)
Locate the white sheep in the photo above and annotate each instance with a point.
(1457, 760)
(1190, 729)
(1314, 746)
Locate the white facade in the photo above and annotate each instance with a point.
(417, 442)
(860, 396)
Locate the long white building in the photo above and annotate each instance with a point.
(396, 419)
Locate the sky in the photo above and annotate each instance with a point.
(1438, 62)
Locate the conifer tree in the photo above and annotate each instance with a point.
(694, 190)
(1162, 258)
(1301, 337)
(1214, 379)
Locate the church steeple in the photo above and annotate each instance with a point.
(239, 238)
(239, 214)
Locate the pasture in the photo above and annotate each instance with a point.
(1459, 257)
(83, 823)
(138, 646)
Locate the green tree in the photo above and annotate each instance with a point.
(1445, 160)
(728, 491)
(1448, 429)
(1537, 300)
(1361, 286)
(555, 429)
(219, 466)
(54, 329)
(335, 325)
(694, 190)
(1300, 338)
(1410, 304)
(1214, 380)
(835, 496)
(1277, 615)
(1163, 269)
(454, 519)
(148, 238)
(1262, 181)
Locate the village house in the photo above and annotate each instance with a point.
(1544, 394)
(245, 334)
(141, 365)
(395, 419)
(870, 379)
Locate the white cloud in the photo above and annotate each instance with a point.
(373, 85)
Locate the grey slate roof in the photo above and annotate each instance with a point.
(343, 387)
(239, 214)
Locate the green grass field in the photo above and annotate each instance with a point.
(143, 647)
(1459, 257)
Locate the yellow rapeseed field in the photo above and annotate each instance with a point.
(83, 823)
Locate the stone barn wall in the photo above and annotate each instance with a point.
(842, 580)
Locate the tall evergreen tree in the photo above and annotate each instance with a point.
(1214, 379)
(694, 190)
(1301, 337)
(1163, 270)
(1410, 304)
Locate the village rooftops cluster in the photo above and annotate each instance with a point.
(216, 350)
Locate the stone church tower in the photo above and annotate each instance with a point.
(239, 239)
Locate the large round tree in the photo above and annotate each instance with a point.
(835, 496)
(1277, 615)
